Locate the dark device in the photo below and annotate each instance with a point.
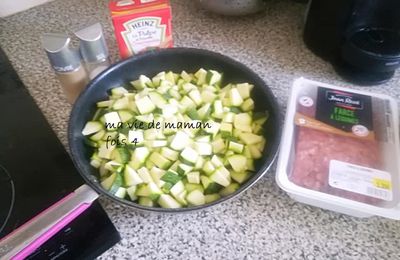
(361, 38)
(36, 173)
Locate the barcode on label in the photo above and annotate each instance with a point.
(377, 193)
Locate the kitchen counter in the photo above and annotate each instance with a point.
(263, 223)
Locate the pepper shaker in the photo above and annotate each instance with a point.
(93, 49)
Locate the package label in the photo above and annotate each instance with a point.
(144, 32)
(361, 180)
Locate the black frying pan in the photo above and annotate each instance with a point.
(149, 64)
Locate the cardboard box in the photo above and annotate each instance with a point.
(141, 25)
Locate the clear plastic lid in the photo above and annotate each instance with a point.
(342, 146)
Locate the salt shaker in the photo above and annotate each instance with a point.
(66, 63)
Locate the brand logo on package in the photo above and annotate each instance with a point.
(344, 99)
(142, 33)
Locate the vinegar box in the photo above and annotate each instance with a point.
(141, 25)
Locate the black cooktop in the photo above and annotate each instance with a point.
(35, 169)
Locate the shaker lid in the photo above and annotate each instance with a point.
(61, 56)
(93, 46)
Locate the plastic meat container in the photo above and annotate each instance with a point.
(340, 150)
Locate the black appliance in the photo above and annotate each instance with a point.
(38, 183)
(361, 38)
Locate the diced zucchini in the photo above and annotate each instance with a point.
(138, 157)
(186, 77)
(231, 188)
(244, 90)
(208, 96)
(255, 152)
(121, 155)
(169, 154)
(145, 175)
(180, 141)
(214, 127)
(212, 197)
(112, 120)
(121, 103)
(170, 77)
(234, 97)
(158, 78)
(218, 146)
(145, 201)
(218, 109)
(157, 99)
(131, 191)
(205, 181)
(143, 190)
(105, 103)
(244, 128)
(242, 119)
(142, 82)
(171, 177)
(213, 77)
(125, 115)
(189, 155)
(208, 168)
(98, 136)
(195, 96)
(92, 127)
(112, 165)
(167, 201)
(174, 166)
(193, 177)
(203, 148)
(105, 151)
(108, 182)
(156, 174)
(249, 138)
(213, 187)
(204, 111)
(178, 188)
(203, 139)
(250, 165)
(120, 193)
(181, 198)
(145, 105)
(192, 186)
(187, 103)
(193, 114)
(131, 177)
(196, 198)
(238, 162)
(199, 163)
(226, 129)
(219, 177)
(240, 177)
(216, 161)
(169, 110)
(236, 147)
(228, 117)
(248, 105)
(183, 169)
(156, 143)
(118, 92)
(201, 75)
(159, 160)
(257, 129)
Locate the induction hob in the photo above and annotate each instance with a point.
(35, 174)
